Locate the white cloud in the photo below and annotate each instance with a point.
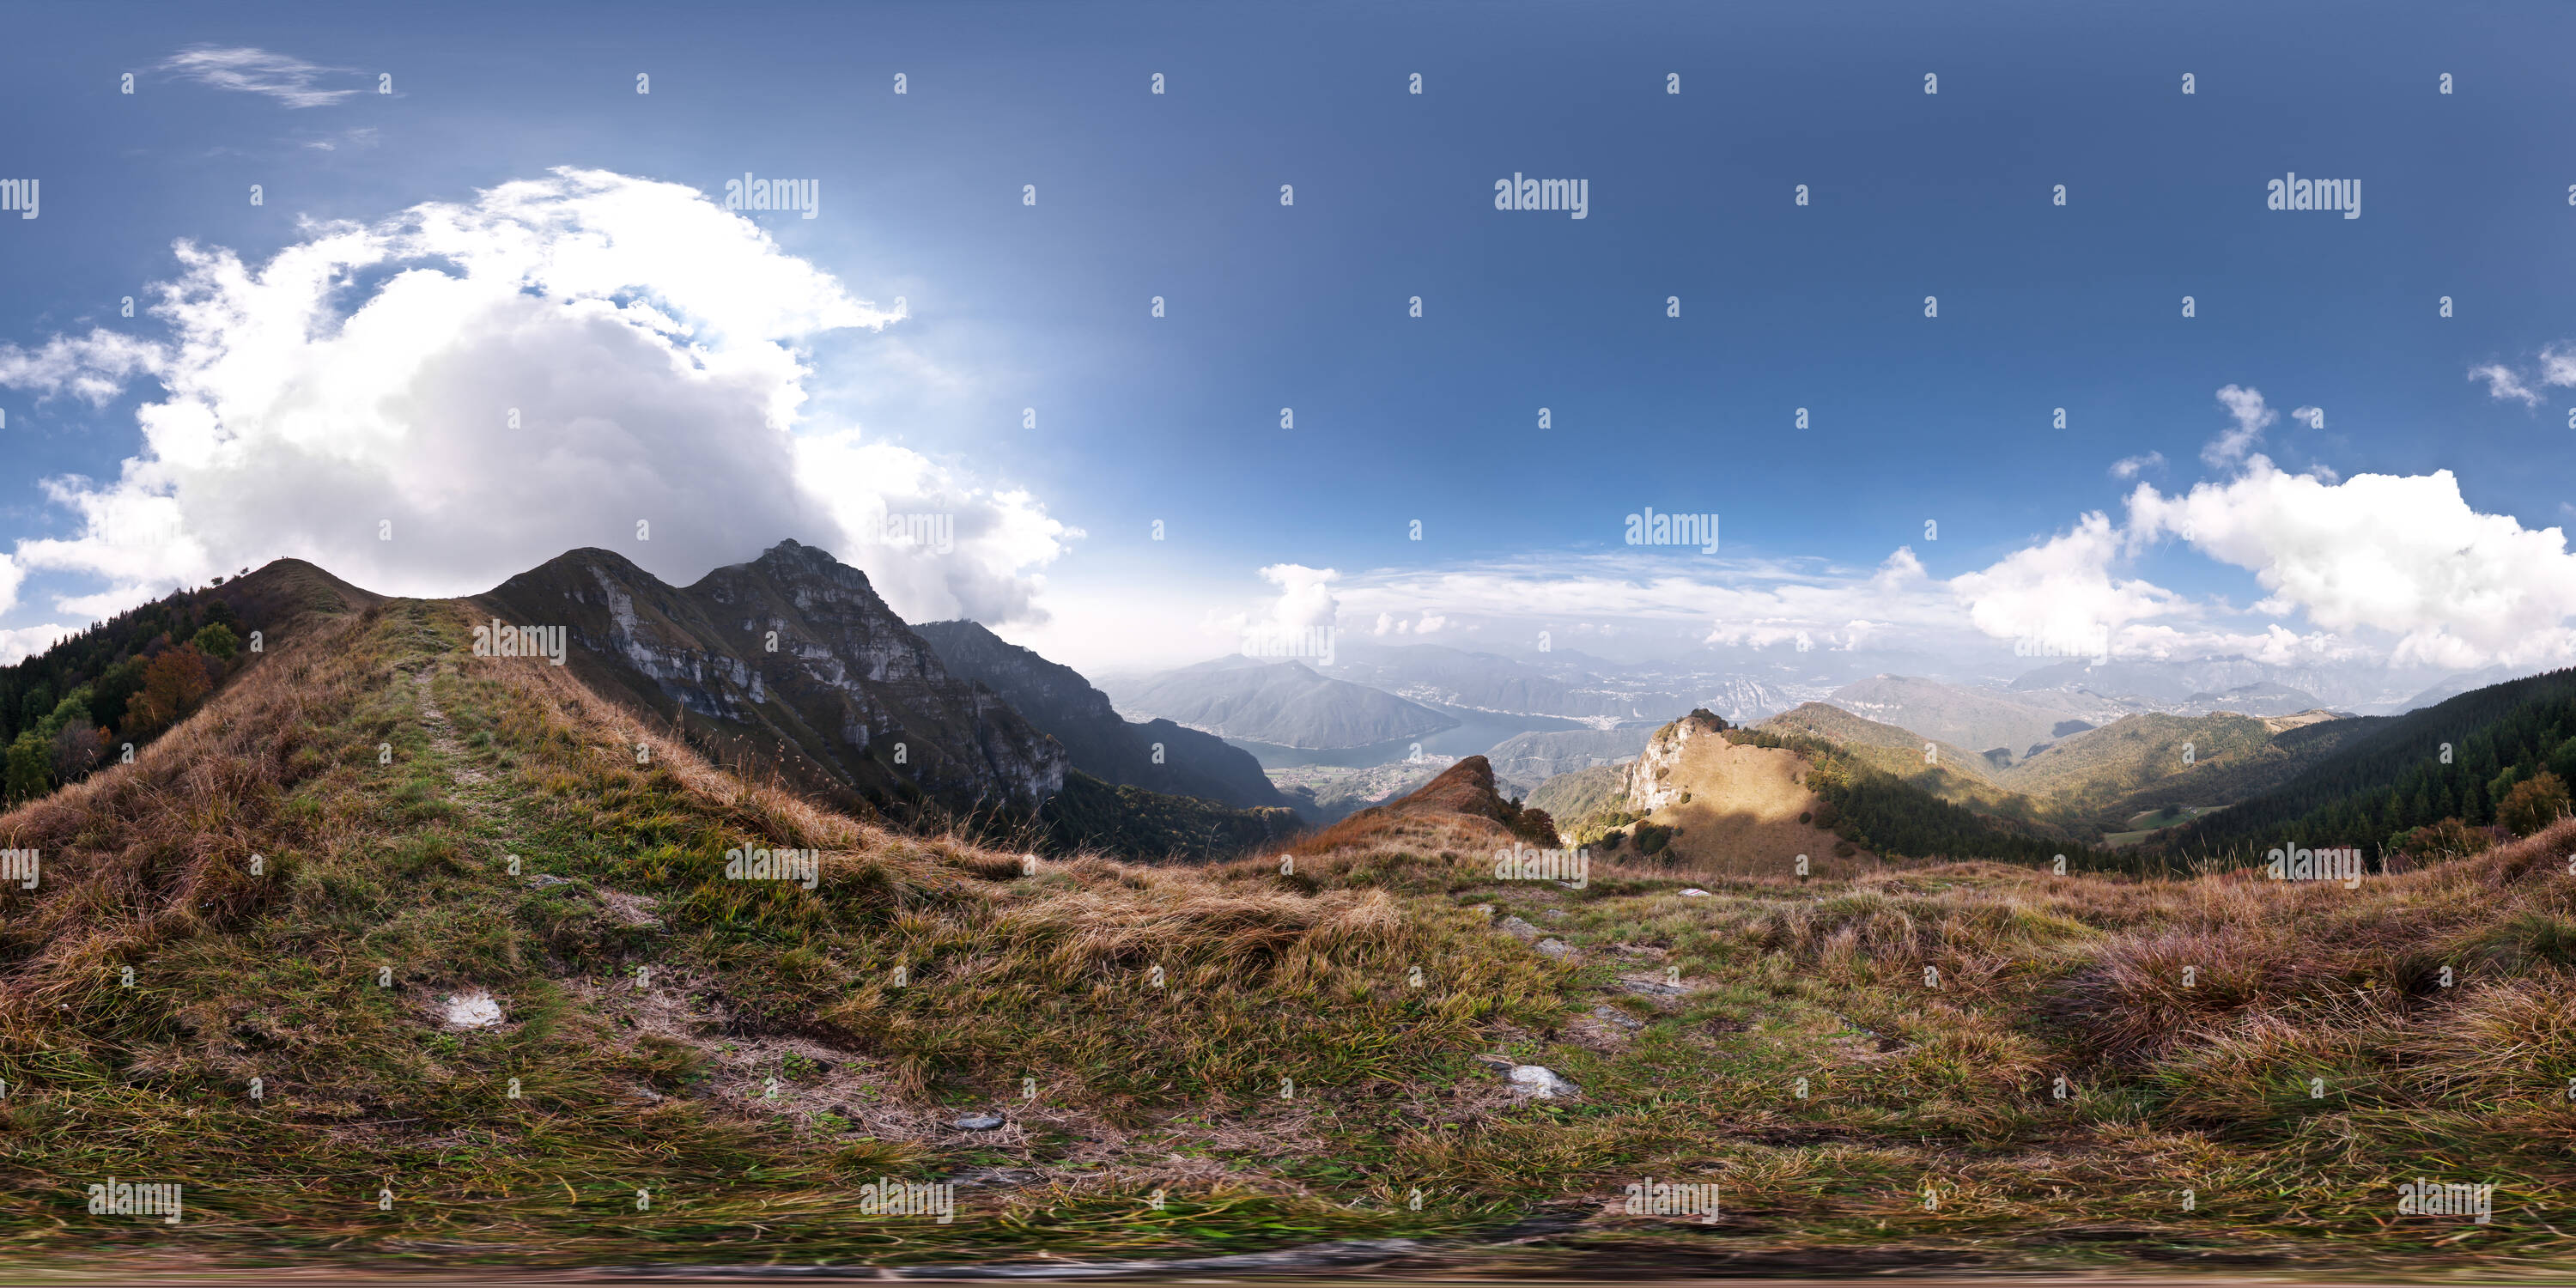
(2072, 588)
(1305, 596)
(638, 334)
(2558, 365)
(2404, 555)
(2502, 383)
(2557, 370)
(1737, 602)
(996, 537)
(2062, 591)
(2377, 570)
(2129, 467)
(283, 77)
(1390, 624)
(1292, 623)
(2251, 416)
(26, 641)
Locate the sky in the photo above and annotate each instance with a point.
(490, 304)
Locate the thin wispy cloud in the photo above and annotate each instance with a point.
(284, 77)
(353, 139)
(2557, 370)
(2502, 383)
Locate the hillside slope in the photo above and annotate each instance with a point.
(123, 682)
(1263, 1056)
(2457, 759)
(1569, 798)
(437, 832)
(1953, 773)
(2086, 769)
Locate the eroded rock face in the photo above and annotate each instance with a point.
(793, 647)
(1650, 786)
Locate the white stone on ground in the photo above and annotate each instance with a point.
(1540, 1082)
(475, 1010)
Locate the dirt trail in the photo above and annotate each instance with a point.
(442, 735)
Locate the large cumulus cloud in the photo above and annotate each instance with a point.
(431, 403)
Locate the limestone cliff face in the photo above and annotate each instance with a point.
(793, 647)
(1652, 785)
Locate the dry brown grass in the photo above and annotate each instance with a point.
(1266, 976)
(140, 856)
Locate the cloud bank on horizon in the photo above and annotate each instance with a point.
(2375, 569)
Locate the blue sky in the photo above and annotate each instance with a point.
(1011, 306)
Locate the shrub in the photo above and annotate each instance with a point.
(30, 769)
(115, 687)
(217, 640)
(1535, 825)
(2448, 839)
(77, 749)
(173, 685)
(2533, 804)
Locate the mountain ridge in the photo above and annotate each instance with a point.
(796, 646)
(1157, 755)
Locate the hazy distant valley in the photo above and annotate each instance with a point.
(1377, 720)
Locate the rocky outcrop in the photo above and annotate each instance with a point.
(1652, 784)
(793, 649)
(1463, 795)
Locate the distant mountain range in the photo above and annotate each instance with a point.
(1285, 704)
(1562, 683)
(2233, 683)
(2016, 722)
(1477, 681)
